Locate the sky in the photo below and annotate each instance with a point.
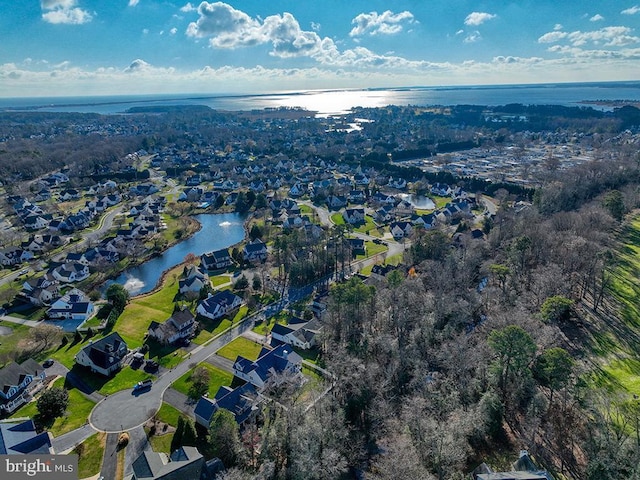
(116, 47)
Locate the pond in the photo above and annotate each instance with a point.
(419, 201)
(218, 231)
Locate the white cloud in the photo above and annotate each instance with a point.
(558, 26)
(631, 11)
(552, 37)
(64, 12)
(596, 18)
(473, 37)
(133, 3)
(188, 8)
(386, 23)
(315, 26)
(173, 31)
(137, 65)
(478, 18)
(616, 36)
(227, 27)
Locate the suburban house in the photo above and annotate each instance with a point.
(105, 355)
(219, 304)
(255, 251)
(241, 401)
(180, 325)
(70, 272)
(185, 463)
(193, 278)
(21, 438)
(358, 247)
(17, 382)
(336, 202)
(400, 230)
(353, 215)
(74, 305)
(441, 189)
(217, 260)
(425, 221)
(280, 363)
(13, 256)
(301, 335)
(40, 291)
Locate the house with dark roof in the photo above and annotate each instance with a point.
(193, 278)
(255, 251)
(74, 305)
(70, 272)
(219, 304)
(217, 260)
(17, 382)
(181, 324)
(104, 356)
(301, 335)
(276, 365)
(353, 215)
(21, 438)
(400, 230)
(186, 463)
(242, 402)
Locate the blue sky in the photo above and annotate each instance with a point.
(93, 47)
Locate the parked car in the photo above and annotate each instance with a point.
(48, 362)
(143, 385)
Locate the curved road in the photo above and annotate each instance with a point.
(124, 410)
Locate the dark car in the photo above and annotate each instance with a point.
(143, 385)
(47, 363)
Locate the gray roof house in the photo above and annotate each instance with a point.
(16, 383)
(21, 438)
(105, 355)
(186, 463)
(180, 325)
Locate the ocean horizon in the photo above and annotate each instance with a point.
(341, 101)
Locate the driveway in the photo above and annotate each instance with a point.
(110, 458)
(65, 443)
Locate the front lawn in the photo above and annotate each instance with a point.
(138, 314)
(210, 328)
(217, 379)
(222, 279)
(90, 453)
(125, 378)
(368, 228)
(10, 343)
(76, 415)
(240, 346)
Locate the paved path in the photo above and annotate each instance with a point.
(68, 441)
(180, 401)
(110, 457)
(221, 363)
(20, 321)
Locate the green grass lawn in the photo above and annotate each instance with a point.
(337, 219)
(124, 379)
(76, 415)
(169, 415)
(221, 279)
(211, 328)
(31, 314)
(9, 343)
(368, 227)
(240, 346)
(138, 314)
(372, 250)
(90, 453)
(265, 327)
(440, 201)
(306, 210)
(217, 379)
(161, 443)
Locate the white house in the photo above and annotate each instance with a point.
(16, 383)
(71, 272)
(193, 279)
(74, 305)
(180, 325)
(219, 304)
(255, 251)
(281, 363)
(353, 215)
(104, 356)
(401, 229)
